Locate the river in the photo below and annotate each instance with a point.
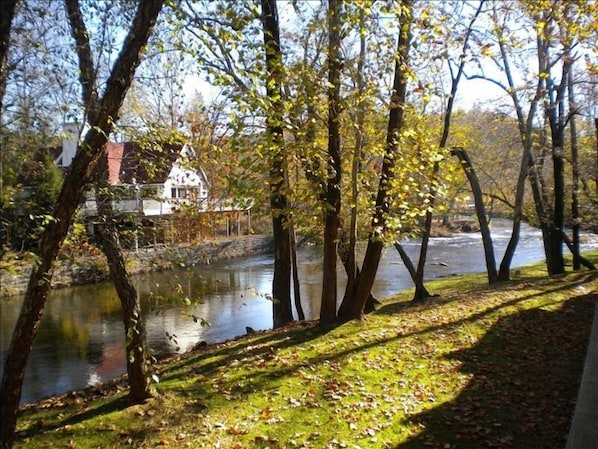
(81, 341)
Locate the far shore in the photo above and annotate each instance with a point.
(91, 269)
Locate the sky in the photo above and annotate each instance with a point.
(470, 94)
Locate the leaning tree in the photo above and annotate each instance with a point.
(101, 122)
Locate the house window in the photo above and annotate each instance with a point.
(179, 192)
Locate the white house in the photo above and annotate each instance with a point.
(151, 179)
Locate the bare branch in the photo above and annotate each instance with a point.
(8, 11)
(87, 72)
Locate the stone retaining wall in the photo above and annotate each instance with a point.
(89, 270)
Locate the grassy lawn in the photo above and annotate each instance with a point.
(474, 367)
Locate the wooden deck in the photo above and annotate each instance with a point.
(584, 427)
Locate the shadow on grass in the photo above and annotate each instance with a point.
(539, 338)
(247, 347)
(246, 350)
(433, 302)
(252, 346)
(525, 374)
(114, 405)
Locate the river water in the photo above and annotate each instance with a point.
(81, 337)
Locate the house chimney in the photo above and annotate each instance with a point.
(70, 140)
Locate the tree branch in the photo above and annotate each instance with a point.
(8, 11)
(87, 72)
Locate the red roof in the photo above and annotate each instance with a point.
(144, 164)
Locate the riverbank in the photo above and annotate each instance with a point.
(77, 270)
(475, 366)
(90, 267)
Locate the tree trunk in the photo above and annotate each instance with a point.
(409, 265)
(544, 216)
(504, 271)
(332, 205)
(554, 259)
(296, 289)
(74, 184)
(553, 223)
(481, 213)
(420, 290)
(344, 252)
(526, 167)
(139, 389)
(371, 261)
(282, 313)
(596, 178)
(109, 239)
(582, 260)
(281, 284)
(8, 11)
(6, 18)
(575, 175)
(350, 259)
(136, 360)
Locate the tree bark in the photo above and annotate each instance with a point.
(109, 238)
(344, 251)
(480, 212)
(8, 11)
(527, 163)
(281, 284)
(87, 70)
(296, 289)
(555, 111)
(554, 256)
(420, 291)
(371, 261)
(332, 205)
(596, 128)
(135, 348)
(504, 270)
(410, 267)
(575, 218)
(582, 260)
(350, 258)
(139, 386)
(75, 183)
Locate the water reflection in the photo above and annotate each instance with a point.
(81, 336)
(227, 297)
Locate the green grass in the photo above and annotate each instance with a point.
(474, 367)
